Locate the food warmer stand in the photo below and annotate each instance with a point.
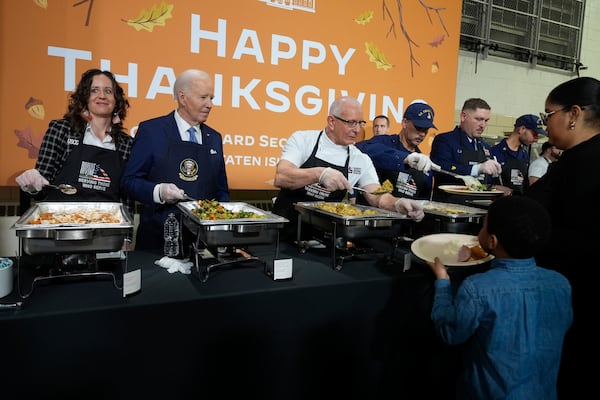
(340, 232)
(224, 242)
(50, 251)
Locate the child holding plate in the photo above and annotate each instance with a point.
(513, 317)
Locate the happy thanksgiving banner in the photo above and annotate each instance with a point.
(277, 65)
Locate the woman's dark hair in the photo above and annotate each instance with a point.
(79, 99)
(583, 92)
(522, 225)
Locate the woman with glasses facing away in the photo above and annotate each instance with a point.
(324, 165)
(570, 191)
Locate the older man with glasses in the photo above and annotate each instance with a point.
(324, 165)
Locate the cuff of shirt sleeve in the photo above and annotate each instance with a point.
(156, 195)
(442, 283)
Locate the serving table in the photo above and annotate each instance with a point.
(361, 332)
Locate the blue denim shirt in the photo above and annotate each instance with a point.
(513, 319)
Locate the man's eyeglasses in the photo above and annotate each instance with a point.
(350, 124)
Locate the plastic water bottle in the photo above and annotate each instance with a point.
(171, 235)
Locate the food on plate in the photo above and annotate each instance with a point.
(466, 253)
(474, 185)
(463, 252)
(386, 187)
(346, 210)
(75, 217)
(214, 210)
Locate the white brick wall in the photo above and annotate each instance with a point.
(513, 89)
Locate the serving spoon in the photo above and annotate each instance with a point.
(64, 187)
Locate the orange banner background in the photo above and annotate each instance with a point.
(277, 66)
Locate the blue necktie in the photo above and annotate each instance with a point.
(192, 132)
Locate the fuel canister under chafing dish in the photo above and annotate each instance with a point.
(232, 232)
(448, 218)
(76, 237)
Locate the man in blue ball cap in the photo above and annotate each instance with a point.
(397, 158)
(513, 151)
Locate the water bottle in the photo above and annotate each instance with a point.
(171, 235)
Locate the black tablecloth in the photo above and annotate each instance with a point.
(361, 332)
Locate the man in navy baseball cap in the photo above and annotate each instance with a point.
(512, 152)
(397, 157)
(420, 114)
(532, 122)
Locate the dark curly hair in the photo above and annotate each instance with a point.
(79, 99)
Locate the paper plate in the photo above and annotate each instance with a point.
(445, 246)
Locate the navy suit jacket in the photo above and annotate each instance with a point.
(149, 146)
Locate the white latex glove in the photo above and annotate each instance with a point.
(173, 265)
(332, 179)
(490, 167)
(170, 193)
(31, 181)
(411, 208)
(421, 162)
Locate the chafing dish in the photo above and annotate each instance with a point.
(380, 223)
(448, 218)
(73, 237)
(338, 230)
(231, 232)
(221, 233)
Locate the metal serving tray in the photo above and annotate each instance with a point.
(452, 211)
(230, 232)
(382, 223)
(73, 238)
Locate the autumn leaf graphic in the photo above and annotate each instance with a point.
(376, 56)
(41, 3)
(29, 141)
(437, 41)
(156, 16)
(35, 108)
(364, 18)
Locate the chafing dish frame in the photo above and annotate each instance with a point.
(236, 233)
(381, 224)
(61, 239)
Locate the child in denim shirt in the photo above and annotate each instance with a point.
(513, 317)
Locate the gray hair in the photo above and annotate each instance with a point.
(185, 79)
(343, 102)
